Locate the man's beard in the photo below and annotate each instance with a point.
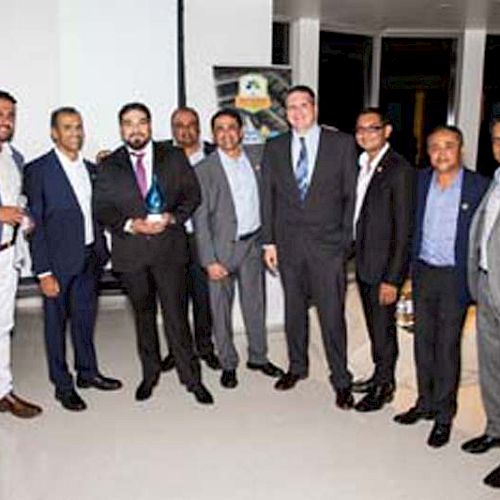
(8, 137)
(137, 143)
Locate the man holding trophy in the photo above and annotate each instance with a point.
(145, 192)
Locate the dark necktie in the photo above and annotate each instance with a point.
(302, 169)
(140, 173)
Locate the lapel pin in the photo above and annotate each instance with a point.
(465, 206)
(257, 167)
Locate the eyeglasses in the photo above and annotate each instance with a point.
(372, 129)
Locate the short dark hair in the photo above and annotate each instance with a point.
(226, 112)
(7, 97)
(494, 121)
(301, 88)
(134, 106)
(64, 110)
(448, 128)
(184, 109)
(374, 110)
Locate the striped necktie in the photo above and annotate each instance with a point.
(302, 170)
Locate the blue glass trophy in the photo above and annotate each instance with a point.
(156, 202)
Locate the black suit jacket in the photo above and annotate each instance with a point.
(384, 226)
(324, 219)
(117, 198)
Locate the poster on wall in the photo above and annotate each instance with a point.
(258, 92)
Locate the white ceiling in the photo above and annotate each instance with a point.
(373, 16)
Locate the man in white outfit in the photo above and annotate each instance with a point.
(11, 239)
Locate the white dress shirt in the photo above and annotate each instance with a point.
(312, 144)
(79, 178)
(492, 211)
(366, 171)
(10, 186)
(244, 190)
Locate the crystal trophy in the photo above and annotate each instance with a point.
(156, 202)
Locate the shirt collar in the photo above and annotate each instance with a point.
(7, 148)
(496, 175)
(147, 150)
(225, 157)
(65, 160)
(364, 158)
(457, 181)
(312, 133)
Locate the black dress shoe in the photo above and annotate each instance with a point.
(344, 399)
(439, 435)
(412, 416)
(362, 386)
(211, 360)
(168, 363)
(287, 381)
(481, 444)
(267, 369)
(99, 382)
(376, 398)
(202, 395)
(145, 389)
(493, 478)
(71, 400)
(228, 379)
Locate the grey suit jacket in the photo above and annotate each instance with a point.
(493, 253)
(215, 220)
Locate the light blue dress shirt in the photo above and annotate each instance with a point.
(440, 222)
(312, 143)
(244, 190)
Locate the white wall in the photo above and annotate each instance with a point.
(92, 54)
(223, 33)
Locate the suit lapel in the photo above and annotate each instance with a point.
(225, 182)
(290, 168)
(64, 180)
(129, 173)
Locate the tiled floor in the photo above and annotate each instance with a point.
(254, 443)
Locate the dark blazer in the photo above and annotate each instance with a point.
(58, 241)
(473, 188)
(325, 217)
(384, 226)
(117, 198)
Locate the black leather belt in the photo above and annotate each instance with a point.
(4, 246)
(247, 236)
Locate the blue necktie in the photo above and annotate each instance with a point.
(302, 169)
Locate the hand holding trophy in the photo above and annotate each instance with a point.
(157, 219)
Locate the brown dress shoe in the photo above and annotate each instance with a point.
(18, 407)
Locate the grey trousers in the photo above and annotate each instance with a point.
(247, 271)
(488, 342)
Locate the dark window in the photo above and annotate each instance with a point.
(281, 43)
(344, 78)
(416, 88)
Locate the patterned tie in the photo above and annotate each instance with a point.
(302, 169)
(140, 173)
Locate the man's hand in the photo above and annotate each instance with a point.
(49, 286)
(148, 227)
(271, 258)
(217, 271)
(11, 215)
(387, 294)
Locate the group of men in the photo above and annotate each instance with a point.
(294, 207)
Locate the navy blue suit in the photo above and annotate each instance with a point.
(58, 246)
(441, 298)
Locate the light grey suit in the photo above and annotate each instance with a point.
(216, 234)
(485, 290)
